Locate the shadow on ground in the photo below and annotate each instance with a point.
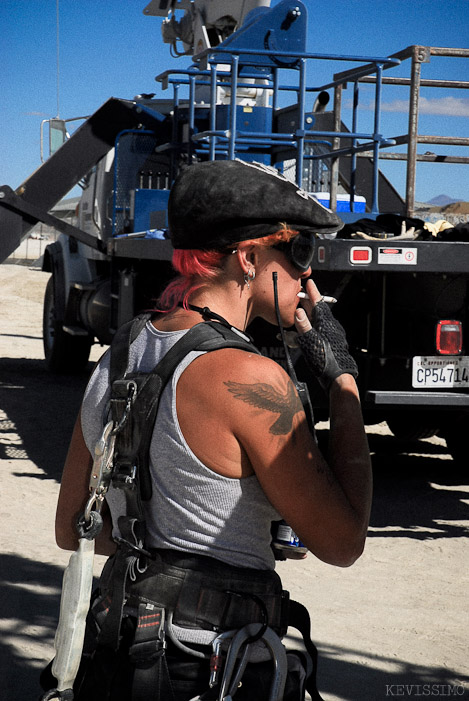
(29, 605)
(418, 492)
(29, 598)
(351, 675)
(38, 413)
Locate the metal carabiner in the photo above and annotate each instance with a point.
(89, 508)
(101, 471)
(102, 464)
(231, 678)
(132, 392)
(215, 658)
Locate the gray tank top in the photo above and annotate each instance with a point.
(192, 508)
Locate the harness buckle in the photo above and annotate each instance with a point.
(124, 476)
(262, 610)
(145, 654)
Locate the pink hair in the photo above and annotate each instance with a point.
(196, 268)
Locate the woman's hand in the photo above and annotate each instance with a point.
(322, 339)
(303, 312)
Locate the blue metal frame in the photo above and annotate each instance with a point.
(268, 65)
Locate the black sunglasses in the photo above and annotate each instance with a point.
(299, 251)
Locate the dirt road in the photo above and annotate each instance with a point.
(393, 625)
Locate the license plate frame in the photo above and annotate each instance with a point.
(440, 372)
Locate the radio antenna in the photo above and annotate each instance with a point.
(57, 55)
(301, 387)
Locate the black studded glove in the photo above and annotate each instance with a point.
(325, 347)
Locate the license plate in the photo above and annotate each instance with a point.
(438, 371)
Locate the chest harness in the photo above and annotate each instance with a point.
(159, 589)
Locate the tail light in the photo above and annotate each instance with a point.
(449, 337)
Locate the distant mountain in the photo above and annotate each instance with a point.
(441, 200)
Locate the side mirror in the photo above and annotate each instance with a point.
(58, 134)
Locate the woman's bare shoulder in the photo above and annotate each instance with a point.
(241, 382)
(234, 362)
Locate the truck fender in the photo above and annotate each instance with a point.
(53, 262)
(67, 266)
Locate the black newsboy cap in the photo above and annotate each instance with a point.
(215, 204)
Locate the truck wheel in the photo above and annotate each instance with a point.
(408, 429)
(63, 353)
(456, 439)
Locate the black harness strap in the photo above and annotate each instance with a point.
(139, 395)
(133, 442)
(120, 346)
(151, 675)
(299, 618)
(125, 557)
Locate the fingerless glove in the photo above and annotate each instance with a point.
(325, 347)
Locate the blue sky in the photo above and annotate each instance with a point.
(110, 48)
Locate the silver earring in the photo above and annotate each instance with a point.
(249, 276)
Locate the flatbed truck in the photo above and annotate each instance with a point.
(402, 300)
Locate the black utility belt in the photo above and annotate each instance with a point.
(205, 593)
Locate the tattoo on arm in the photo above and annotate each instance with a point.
(264, 396)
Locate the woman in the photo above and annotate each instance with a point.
(232, 451)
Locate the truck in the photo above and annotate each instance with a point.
(401, 289)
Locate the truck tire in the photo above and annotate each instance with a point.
(409, 428)
(63, 352)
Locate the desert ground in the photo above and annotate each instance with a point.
(393, 625)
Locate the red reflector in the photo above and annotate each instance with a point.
(360, 254)
(449, 337)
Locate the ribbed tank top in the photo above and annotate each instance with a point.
(192, 508)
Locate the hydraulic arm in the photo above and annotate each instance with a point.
(20, 210)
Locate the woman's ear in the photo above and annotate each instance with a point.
(246, 253)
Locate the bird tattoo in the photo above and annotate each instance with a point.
(264, 396)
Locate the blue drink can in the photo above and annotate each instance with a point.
(286, 539)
